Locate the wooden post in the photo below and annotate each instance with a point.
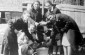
(43, 2)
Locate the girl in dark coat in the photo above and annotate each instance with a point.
(10, 45)
(52, 10)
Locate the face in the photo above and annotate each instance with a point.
(48, 6)
(25, 17)
(16, 31)
(31, 28)
(36, 5)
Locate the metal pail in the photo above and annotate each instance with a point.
(42, 51)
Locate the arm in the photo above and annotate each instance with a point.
(66, 27)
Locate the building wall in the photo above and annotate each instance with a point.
(10, 5)
(11, 9)
(16, 5)
(72, 2)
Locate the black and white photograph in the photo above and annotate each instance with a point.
(42, 27)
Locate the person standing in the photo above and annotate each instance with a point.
(9, 44)
(71, 36)
(50, 11)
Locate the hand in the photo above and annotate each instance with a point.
(45, 37)
(43, 23)
(49, 42)
(36, 23)
(50, 17)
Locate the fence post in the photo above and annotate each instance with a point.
(43, 7)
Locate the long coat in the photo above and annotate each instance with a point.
(10, 45)
(10, 38)
(67, 25)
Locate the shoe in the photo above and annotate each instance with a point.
(54, 53)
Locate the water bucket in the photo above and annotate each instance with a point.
(42, 51)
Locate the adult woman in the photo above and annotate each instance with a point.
(71, 36)
(10, 45)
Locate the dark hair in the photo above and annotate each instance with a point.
(49, 2)
(15, 23)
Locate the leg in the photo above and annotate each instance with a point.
(54, 43)
(58, 47)
(50, 49)
(19, 50)
(69, 49)
(14, 50)
(6, 50)
(2, 48)
(54, 49)
(65, 50)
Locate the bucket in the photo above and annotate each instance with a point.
(42, 51)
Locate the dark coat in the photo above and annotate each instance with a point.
(35, 15)
(21, 25)
(10, 45)
(10, 38)
(65, 23)
(55, 11)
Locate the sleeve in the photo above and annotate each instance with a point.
(66, 27)
(44, 16)
(30, 19)
(21, 39)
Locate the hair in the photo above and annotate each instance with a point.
(25, 12)
(14, 24)
(49, 2)
(34, 2)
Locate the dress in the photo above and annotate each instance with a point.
(65, 41)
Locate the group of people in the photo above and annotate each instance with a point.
(35, 28)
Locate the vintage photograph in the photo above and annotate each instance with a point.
(42, 27)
